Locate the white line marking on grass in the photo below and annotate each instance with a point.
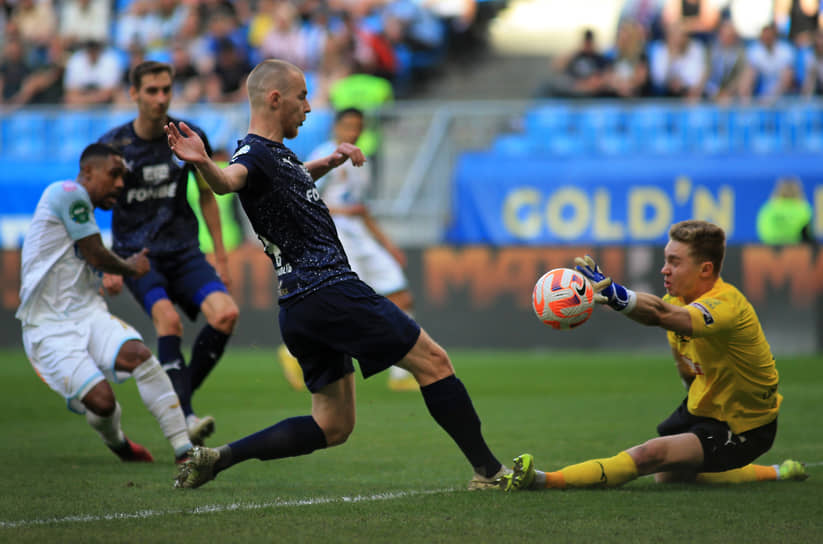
(216, 508)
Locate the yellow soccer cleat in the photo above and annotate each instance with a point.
(291, 368)
(792, 470)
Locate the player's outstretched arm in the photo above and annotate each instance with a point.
(644, 308)
(320, 167)
(188, 146)
(101, 258)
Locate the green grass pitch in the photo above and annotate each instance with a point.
(400, 478)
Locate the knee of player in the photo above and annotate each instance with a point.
(132, 354)
(649, 455)
(226, 319)
(439, 361)
(338, 433)
(167, 322)
(100, 401)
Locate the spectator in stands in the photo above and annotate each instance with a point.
(798, 19)
(648, 13)
(699, 18)
(770, 73)
(727, 60)
(678, 67)
(188, 85)
(84, 20)
(37, 23)
(629, 74)
(13, 71)
(44, 85)
(583, 74)
(93, 75)
(812, 83)
(169, 16)
(786, 218)
(227, 83)
(285, 41)
(748, 16)
(135, 26)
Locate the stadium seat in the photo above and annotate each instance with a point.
(655, 129)
(23, 135)
(705, 130)
(603, 130)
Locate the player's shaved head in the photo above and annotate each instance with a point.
(267, 76)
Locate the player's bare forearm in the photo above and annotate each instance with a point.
(101, 258)
(319, 167)
(653, 311)
(187, 145)
(211, 215)
(345, 151)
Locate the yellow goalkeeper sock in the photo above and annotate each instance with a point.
(609, 472)
(749, 473)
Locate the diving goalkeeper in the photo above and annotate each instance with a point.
(729, 417)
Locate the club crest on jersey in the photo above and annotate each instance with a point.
(242, 151)
(707, 316)
(79, 212)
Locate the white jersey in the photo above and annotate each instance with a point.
(56, 282)
(346, 186)
(343, 186)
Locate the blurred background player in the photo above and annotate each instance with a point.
(371, 254)
(327, 315)
(74, 344)
(153, 212)
(729, 417)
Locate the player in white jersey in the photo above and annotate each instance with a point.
(74, 344)
(371, 254)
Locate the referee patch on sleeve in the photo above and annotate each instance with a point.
(707, 316)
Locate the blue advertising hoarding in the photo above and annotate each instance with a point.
(505, 200)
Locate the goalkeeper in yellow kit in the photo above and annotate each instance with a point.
(729, 417)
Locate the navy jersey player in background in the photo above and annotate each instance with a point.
(327, 315)
(153, 212)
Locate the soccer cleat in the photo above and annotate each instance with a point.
(522, 475)
(199, 428)
(291, 368)
(197, 469)
(480, 482)
(131, 452)
(406, 383)
(792, 470)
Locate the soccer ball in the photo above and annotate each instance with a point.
(563, 298)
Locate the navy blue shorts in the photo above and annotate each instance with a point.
(327, 328)
(185, 278)
(722, 449)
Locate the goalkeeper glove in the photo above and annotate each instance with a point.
(608, 292)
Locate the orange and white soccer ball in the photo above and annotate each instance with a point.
(563, 298)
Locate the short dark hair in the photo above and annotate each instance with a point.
(706, 241)
(348, 111)
(148, 67)
(98, 150)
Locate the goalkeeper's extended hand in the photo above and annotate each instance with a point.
(606, 290)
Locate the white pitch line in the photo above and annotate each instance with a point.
(213, 508)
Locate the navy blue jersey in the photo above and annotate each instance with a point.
(293, 224)
(152, 211)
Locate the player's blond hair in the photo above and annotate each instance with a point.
(706, 241)
(267, 76)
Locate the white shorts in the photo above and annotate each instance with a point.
(75, 356)
(372, 263)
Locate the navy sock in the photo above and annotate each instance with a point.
(288, 438)
(451, 407)
(171, 359)
(207, 350)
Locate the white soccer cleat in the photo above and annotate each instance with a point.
(197, 469)
(199, 428)
(480, 482)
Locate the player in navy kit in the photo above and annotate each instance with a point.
(327, 315)
(153, 212)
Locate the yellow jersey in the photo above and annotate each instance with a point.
(735, 373)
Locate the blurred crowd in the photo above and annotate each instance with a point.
(725, 51)
(78, 52)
